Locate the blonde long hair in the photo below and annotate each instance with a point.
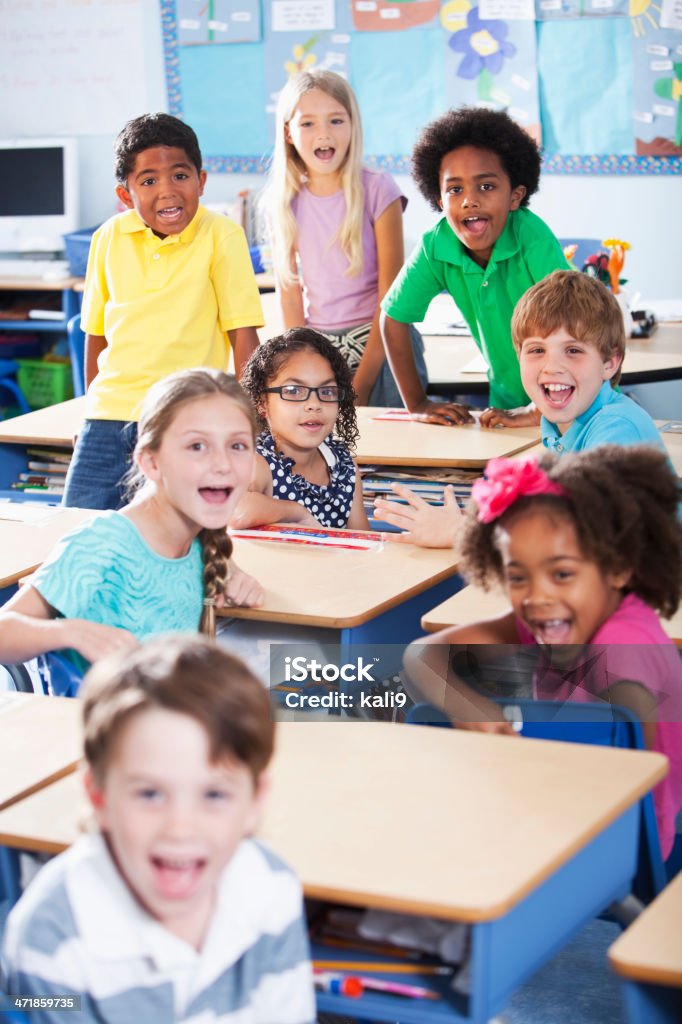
(160, 407)
(287, 170)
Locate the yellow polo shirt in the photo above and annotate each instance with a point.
(163, 304)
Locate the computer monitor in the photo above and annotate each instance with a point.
(38, 195)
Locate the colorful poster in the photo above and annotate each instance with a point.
(657, 100)
(491, 62)
(201, 22)
(393, 15)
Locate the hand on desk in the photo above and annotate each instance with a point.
(243, 591)
(429, 526)
(524, 416)
(447, 414)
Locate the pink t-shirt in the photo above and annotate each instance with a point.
(331, 300)
(633, 646)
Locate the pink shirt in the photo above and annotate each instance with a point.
(331, 300)
(656, 664)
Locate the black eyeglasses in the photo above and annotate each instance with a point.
(300, 393)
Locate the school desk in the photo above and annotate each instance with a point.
(40, 740)
(410, 443)
(658, 358)
(471, 604)
(511, 836)
(366, 597)
(25, 545)
(648, 957)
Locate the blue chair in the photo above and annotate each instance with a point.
(605, 725)
(8, 373)
(76, 354)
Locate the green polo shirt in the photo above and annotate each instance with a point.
(525, 252)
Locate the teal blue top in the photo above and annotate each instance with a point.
(524, 254)
(613, 418)
(105, 572)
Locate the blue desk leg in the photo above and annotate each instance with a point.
(653, 1004)
(10, 884)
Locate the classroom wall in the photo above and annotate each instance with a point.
(644, 210)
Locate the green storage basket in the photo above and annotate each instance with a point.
(45, 381)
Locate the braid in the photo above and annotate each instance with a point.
(216, 551)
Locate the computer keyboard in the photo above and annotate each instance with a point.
(48, 270)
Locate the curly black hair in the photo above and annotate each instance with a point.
(484, 129)
(623, 502)
(266, 361)
(152, 130)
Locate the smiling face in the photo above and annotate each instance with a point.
(320, 131)
(476, 197)
(164, 188)
(172, 817)
(563, 375)
(301, 426)
(203, 464)
(558, 593)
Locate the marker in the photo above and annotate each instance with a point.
(338, 984)
(397, 988)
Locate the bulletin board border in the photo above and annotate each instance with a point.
(576, 164)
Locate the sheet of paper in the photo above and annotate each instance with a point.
(26, 512)
(476, 365)
(507, 10)
(302, 15)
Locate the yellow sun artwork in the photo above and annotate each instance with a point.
(640, 13)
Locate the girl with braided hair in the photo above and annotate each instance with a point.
(162, 562)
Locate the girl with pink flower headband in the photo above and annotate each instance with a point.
(588, 549)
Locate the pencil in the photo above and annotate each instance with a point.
(365, 965)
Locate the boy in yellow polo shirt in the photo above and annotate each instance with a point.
(169, 286)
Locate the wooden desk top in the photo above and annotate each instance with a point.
(650, 951)
(339, 786)
(473, 604)
(25, 545)
(57, 425)
(40, 740)
(335, 587)
(37, 284)
(658, 357)
(409, 443)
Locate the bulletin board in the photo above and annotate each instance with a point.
(598, 83)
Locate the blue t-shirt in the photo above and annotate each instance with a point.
(105, 572)
(613, 418)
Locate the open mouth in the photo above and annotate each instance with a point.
(312, 425)
(558, 395)
(325, 153)
(475, 225)
(551, 631)
(176, 878)
(215, 495)
(170, 213)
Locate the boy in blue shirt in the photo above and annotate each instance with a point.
(570, 336)
(169, 287)
(479, 168)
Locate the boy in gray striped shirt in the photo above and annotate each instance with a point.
(170, 912)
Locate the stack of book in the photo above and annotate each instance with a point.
(427, 483)
(45, 471)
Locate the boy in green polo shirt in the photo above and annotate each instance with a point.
(479, 168)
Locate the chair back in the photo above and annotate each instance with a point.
(77, 354)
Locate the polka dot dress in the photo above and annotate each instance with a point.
(330, 505)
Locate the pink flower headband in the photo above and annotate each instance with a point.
(505, 481)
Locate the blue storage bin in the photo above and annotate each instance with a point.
(77, 247)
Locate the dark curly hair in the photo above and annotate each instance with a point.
(623, 502)
(268, 358)
(484, 129)
(152, 130)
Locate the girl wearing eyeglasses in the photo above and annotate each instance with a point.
(302, 390)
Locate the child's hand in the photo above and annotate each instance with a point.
(524, 416)
(92, 640)
(448, 414)
(496, 728)
(243, 591)
(429, 526)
